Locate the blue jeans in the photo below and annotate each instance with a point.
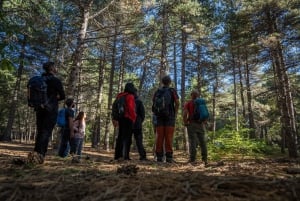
(76, 146)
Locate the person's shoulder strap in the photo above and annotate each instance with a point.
(173, 92)
(48, 77)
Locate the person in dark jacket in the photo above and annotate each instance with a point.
(46, 118)
(125, 123)
(138, 126)
(165, 127)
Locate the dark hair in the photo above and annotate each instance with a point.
(195, 94)
(69, 102)
(166, 80)
(129, 87)
(48, 65)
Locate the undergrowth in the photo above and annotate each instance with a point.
(235, 145)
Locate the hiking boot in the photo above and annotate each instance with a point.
(170, 160)
(159, 159)
(35, 158)
(193, 162)
(75, 159)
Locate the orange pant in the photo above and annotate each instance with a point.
(164, 139)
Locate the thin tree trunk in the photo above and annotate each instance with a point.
(163, 58)
(214, 103)
(235, 93)
(239, 66)
(72, 89)
(199, 70)
(284, 88)
(110, 91)
(183, 80)
(14, 100)
(249, 100)
(175, 65)
(97, 126)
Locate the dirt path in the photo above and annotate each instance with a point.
(97, 177)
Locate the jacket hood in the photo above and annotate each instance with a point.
(129, 87)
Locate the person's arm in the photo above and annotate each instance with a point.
(71, 123)
(185, 115)
(142, 111)
(176, 102)
(60, 91)
(76, 126)
(176, 107)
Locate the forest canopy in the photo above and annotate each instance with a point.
(243, 56)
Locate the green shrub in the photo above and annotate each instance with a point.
(228, 144)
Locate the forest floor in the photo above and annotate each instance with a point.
(98, 177)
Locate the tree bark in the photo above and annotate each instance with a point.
(284, 88)
(163, 57)
(97, 125)
(110, 91)
(249, 100)
(183, 80)
(14, 100)
(72, 90)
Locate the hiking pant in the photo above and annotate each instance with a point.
(196, 134)
(45, 122)
(138, 136)
(64, 147)
(164, 139)
(76, 145)
(124, 139)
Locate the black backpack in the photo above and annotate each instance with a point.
(162, 102)
(37, 92)
(118, 107)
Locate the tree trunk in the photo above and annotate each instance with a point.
(97, 125)
(214, 103)
(183, 80)
(235, 92)
(163, 57)
(110, 91)
(249, 100)
(175, 64)
(285, 98)
(199, 70)
(14, 100)
(284, 88)
(72, 90)
(241, 86)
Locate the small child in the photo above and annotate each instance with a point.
(78, 138)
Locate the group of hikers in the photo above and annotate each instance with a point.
(128, 114)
